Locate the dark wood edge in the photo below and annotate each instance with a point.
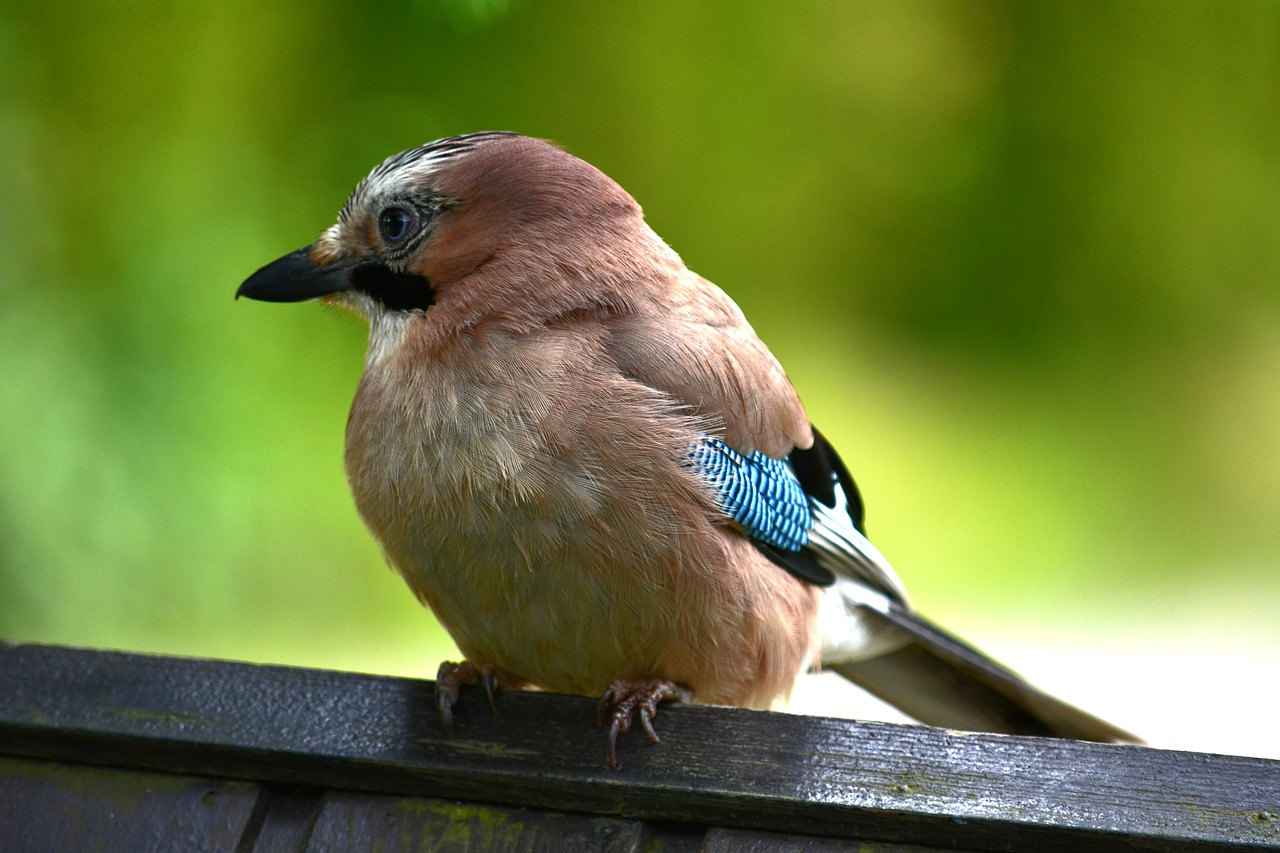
(715, 766)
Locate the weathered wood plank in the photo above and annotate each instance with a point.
(372, 823)
(56, 807)
(283, 819)
(721, 840)
(48, 807)
(715, 767)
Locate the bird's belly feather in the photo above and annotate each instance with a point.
(552, 525)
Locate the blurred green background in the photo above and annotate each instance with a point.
(1020, 259)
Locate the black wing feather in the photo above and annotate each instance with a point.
(819, 468)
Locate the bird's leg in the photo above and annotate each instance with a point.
(452, 676)
(624, 698)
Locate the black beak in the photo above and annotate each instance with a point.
(294, 278)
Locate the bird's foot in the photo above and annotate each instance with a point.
(450, 679)
(624, 699)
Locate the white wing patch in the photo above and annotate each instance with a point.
(841, 547)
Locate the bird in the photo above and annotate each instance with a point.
(582, 458)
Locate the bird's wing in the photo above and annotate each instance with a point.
(803, 512)
(775, 475)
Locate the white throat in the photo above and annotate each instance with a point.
(387, 329)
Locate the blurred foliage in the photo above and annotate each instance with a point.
(1021, 260)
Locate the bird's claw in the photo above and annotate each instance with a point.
(489, 681)
(451, 677)
(623, 700)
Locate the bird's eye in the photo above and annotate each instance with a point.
(395, 223)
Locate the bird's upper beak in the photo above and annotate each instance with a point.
(294, 278)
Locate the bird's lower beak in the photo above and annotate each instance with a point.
(294, 278)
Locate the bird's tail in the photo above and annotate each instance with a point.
(943, 681)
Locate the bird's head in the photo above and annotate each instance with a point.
(485, 227)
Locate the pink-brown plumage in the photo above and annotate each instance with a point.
(520, 456)
(542, 513)
(540, 366)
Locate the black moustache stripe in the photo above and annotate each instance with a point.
(396, 291)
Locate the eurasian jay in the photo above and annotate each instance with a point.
(580, 456)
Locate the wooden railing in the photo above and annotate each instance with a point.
(125, 752)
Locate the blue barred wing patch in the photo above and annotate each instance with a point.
(760, 493)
